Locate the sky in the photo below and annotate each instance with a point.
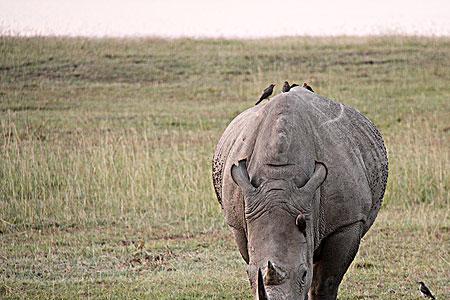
(220, 18)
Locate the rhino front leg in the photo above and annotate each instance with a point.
(337, 253)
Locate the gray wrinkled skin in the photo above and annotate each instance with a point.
(299, 155)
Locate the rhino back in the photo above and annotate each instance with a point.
(353, 149)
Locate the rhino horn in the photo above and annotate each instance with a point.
(240, 176)
(261, 290)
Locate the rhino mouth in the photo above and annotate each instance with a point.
(277, 165)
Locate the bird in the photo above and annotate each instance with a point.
(266, 93)
(306, 86)
(286, 87)
(294, 85)
(425, 291)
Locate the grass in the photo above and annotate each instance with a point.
(106, 147)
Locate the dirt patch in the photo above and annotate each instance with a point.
(152, 261)
(364, 265)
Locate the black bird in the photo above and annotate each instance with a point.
(425, 291)
(286, 87)
(266, 93)
(306, 86)
(294, 85)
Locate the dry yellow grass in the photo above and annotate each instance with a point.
(103, 142)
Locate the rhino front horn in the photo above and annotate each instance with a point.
(260, 289)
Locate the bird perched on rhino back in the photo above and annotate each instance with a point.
(266, 93)
(286, 87)
(294, 85)
(306, 86)
(425, 291)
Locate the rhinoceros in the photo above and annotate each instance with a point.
(300, 180)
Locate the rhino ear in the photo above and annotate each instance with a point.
(240, 176)
(318, 177)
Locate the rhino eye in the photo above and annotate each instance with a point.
(301, 222)
(300, 181)
(256, 182)
(304, 276)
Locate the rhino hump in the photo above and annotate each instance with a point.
(284, 137)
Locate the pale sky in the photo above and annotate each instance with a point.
(223, 18)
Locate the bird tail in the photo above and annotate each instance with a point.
(259, 101)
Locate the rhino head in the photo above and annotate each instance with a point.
(279, 216)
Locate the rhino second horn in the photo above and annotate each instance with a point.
(301, 222)
(273, 275)
(260, 289)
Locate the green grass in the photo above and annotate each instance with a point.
(106, 148)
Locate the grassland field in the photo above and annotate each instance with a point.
(106, 148)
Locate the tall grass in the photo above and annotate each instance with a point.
(104, 131)
(105, 178)
(419, 166)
